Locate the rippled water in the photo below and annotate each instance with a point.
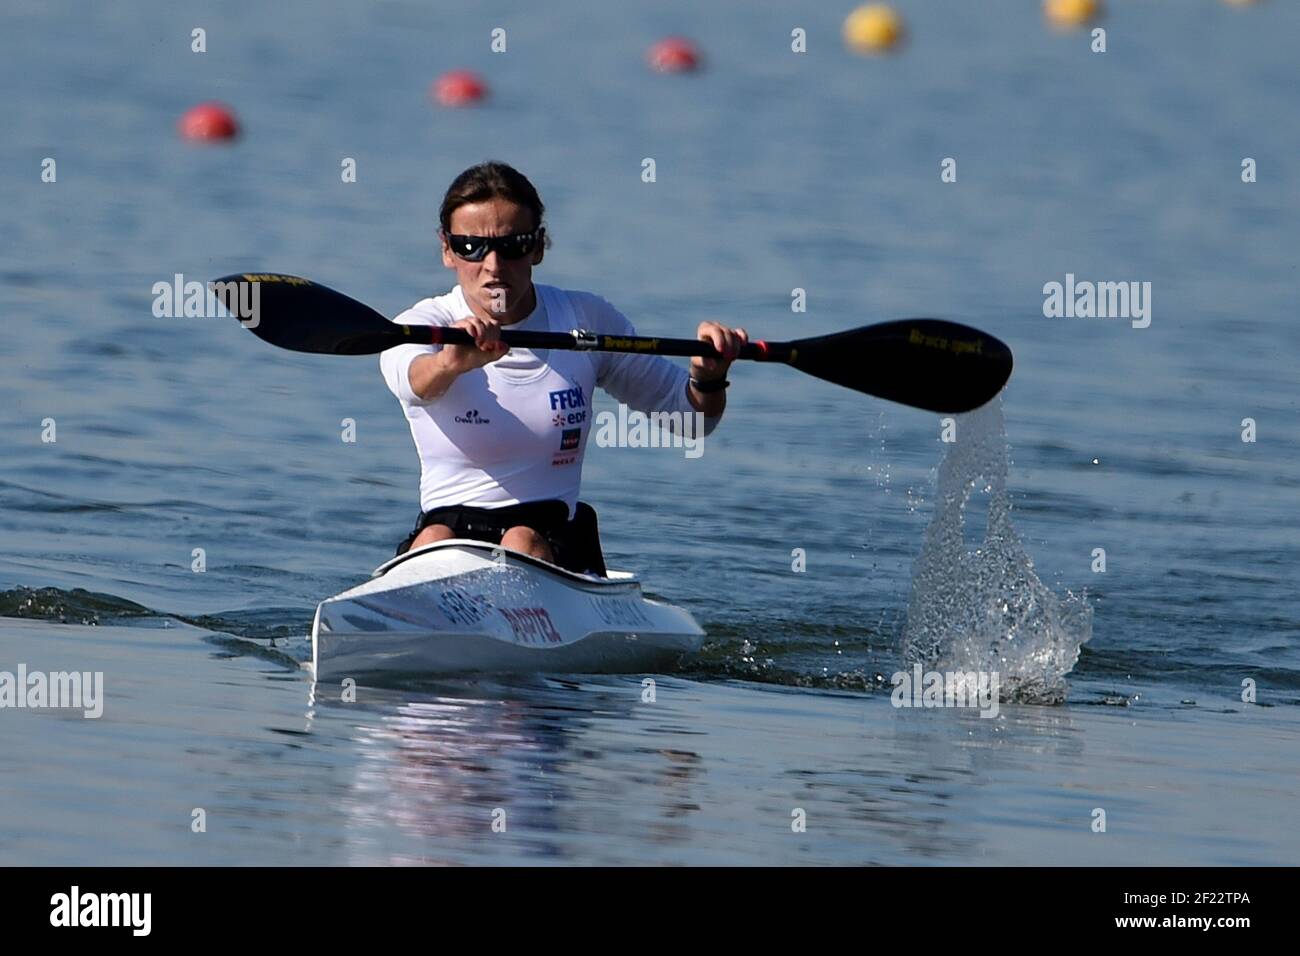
(776, 171)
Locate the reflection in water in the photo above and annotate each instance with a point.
(487, 769)
(582, 773)
(712, 772)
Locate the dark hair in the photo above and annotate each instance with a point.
(486, 181)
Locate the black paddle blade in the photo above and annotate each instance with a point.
(298, 314)
(926, 363)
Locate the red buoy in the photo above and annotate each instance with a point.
(674, 55)
(207, 122)
(458, 88)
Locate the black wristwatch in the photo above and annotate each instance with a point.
(717, 385)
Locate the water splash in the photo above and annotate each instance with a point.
(976, 602)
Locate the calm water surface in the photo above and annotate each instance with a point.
(775, 171)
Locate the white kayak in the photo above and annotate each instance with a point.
(462, 606)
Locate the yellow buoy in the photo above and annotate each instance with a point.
(1071, 13)
(873, 28)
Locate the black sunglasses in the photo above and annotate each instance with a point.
(476, 248)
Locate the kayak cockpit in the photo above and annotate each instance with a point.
(501, 555)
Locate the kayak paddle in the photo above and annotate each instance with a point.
(933, 364)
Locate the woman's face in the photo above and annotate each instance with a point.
(494, 286)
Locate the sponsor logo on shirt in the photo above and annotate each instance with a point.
(471, 417)
(570, 438)
(568, 398)
(569, 418)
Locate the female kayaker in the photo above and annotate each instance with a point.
(501, 432)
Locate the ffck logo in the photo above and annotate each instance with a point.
(568, 398)
(102, 909)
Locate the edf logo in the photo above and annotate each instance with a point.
(568, 398)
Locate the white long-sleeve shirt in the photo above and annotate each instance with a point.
(516, 430)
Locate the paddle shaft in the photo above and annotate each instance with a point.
(582, 341)
(926, 363)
